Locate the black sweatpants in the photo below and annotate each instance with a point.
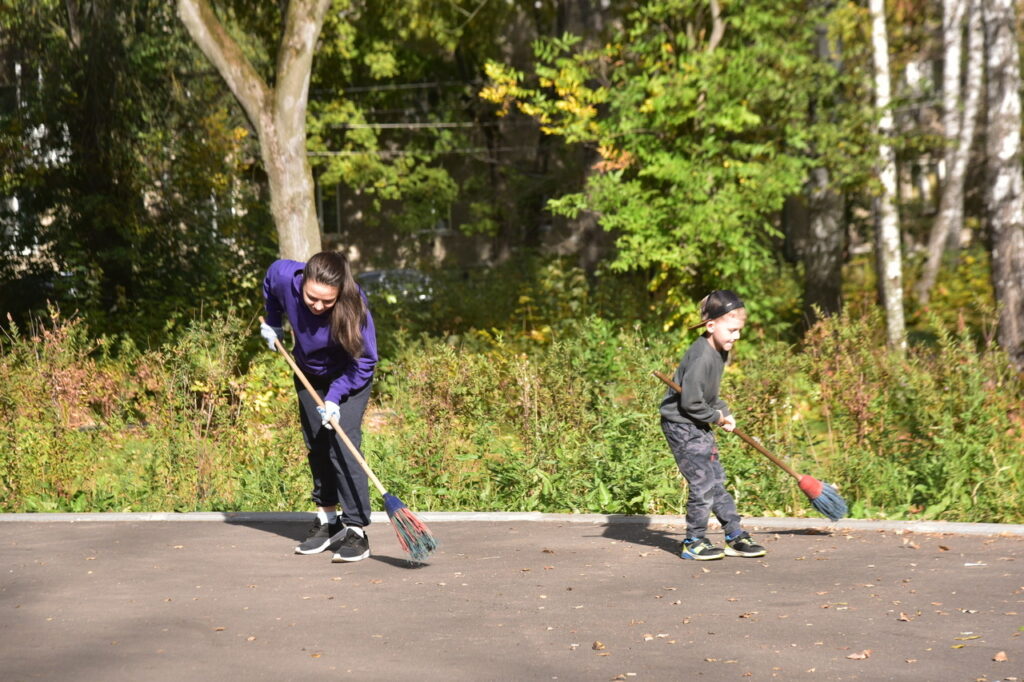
(337, 476)
(696, 453)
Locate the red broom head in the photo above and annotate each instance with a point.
(811, 486)
(824, 497)
(413, 534)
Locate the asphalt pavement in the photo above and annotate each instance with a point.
(506, 597)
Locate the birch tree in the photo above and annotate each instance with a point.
(887, 226)
(1004, 199)
(958, 122)
(277, 114)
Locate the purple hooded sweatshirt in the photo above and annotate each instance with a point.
(315, 352)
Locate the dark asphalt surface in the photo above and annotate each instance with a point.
(504, 601)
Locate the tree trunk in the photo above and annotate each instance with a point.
(823, 257)
(958, 127)
(887, 226)
(1004, 182)
(825, 237)
(278, 114)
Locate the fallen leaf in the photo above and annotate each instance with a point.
(1000, 657)
(911, 660)
(904, 617)
(750, 614)
(597, 646)
(943, 548)
(860, 655)
(965, 639)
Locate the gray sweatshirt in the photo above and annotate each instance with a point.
(700, 376)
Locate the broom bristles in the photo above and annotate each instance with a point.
(825, 498)
(413, 534)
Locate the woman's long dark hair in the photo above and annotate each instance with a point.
(349, 313)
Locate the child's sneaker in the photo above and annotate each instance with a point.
(742, 545)
(701, 550)
(321, 536)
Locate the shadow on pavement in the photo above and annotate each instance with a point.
(668, 538)
(295, 532)
(644, 534)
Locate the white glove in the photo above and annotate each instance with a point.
(327, 411)
(270, 334)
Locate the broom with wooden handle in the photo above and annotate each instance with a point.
(413, 534)
(823, 496)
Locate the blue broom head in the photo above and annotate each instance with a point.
(830, 503)
(413, 534)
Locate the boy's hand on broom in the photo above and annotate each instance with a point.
(727, 422)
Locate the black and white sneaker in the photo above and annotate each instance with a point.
(321, 536)
(354, 547)
(743, 545)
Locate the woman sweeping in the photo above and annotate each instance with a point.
(336, 348)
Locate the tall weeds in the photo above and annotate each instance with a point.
(556, 413)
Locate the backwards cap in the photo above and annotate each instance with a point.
(716, 304)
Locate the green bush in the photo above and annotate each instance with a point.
(554, 411)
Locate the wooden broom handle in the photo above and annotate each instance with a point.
(334, 422)
(747, 439)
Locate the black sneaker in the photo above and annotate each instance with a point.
(701, 550)
(354, 547)
(321, 536)
(742, 545)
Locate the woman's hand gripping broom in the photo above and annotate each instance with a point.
(823, 496)
(413, 534)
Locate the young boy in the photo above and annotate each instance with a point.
(686, 420)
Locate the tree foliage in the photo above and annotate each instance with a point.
(702, 128)
(123, 167)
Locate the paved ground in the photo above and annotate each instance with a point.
(505, 600)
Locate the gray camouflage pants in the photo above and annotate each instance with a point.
(696, 455)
